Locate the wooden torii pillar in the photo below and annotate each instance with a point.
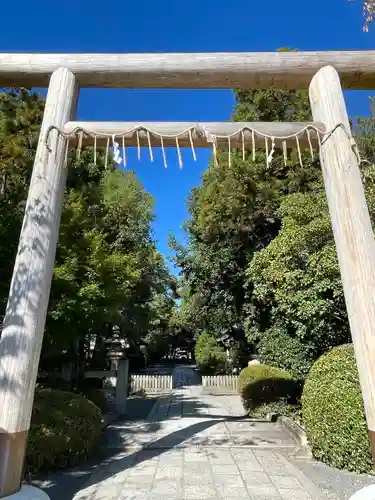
(25, 316)
(352, 229)
(24, 323)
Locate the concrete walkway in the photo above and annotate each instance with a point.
(196, 447)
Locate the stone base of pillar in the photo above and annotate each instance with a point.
(367, 493)
(28, 492)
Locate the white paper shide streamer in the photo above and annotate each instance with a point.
(120, 156)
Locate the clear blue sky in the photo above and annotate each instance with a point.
(171, 26)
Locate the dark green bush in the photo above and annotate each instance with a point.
(97, 396)
(210, 357)
(53, 383)
(276, 347)
(333, 412)
(266, 389)
(64, 428)
(90, 383)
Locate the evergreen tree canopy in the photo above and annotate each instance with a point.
(107, 271)
(260, 265)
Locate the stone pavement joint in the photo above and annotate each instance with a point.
(198, 447)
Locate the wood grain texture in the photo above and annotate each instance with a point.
(24, 321)
(351, 225)
(202, 70)
(276, 129)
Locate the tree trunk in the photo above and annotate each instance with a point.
(81, 362)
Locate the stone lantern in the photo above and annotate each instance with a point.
(119, 364)
(115, 351)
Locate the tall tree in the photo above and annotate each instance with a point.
(368, 12)
(107, 269)
(234, 213)
(20, 118)
(295, 308)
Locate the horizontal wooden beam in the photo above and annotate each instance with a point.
(202, 70)
(199, 132)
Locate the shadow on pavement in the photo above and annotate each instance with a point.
(63, 485)
(133, 437)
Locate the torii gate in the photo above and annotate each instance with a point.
(24, 322)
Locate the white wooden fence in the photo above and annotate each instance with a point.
(151, 383)
(114, 382)
(147, 382)
(228, 382)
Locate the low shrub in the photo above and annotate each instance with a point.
(97, 396)
(268, 389)
(333, 413)
(53, 383)
(210, 357)
(64, 428)
(276, 347)
(89, 383)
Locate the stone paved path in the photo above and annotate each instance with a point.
(195, 447)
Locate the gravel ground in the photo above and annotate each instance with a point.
(336, 483)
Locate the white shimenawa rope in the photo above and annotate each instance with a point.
(199, 130)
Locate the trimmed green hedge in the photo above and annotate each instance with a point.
(64, 428)
(97, 396)
(209, 355)
(266, 389)
(333, 412)
(276, 347)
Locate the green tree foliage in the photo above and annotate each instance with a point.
(20, 118)
(64, 428)
(234, 213)
(92, 278)
(368, 12)
(158, 338)
(181, 334)
(108, 273)
(267, 389)
(218, 231)
(333, 412)
(295, 309)
(261, 264)
(209, 355)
